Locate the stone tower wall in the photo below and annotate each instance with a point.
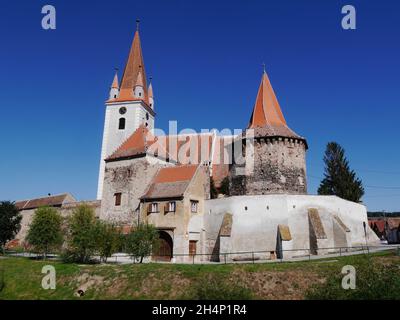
(130, 178)
(279, 167)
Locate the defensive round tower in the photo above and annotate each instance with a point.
(275, 156)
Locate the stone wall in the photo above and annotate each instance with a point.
(65, 210)
(131, 178)
(278, 165)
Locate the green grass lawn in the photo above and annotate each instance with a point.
(288, 280)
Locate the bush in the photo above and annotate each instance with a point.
(213, 189)
(107, 239)
(10, 222)
(217, 288)
(373, 282)
(141, 241)
(224, 188)
(81, 236)
(45, 231)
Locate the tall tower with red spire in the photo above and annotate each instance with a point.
(129, 106)
(276, 160)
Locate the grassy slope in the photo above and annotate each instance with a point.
(168, 281)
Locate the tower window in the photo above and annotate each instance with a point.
(118, 197)
(147, 116)
(193, 206)
(140, 94)
(121, 124)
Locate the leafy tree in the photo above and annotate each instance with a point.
(81, 235)
(10, 222)
(141, 241)
(107, 239)
(339, 179)
(213, 189)
(45, 231)
(224, 188)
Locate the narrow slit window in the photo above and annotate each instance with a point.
(121, 124)
(118, 197)
(193, 206)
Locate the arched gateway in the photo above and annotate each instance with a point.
(164, 250)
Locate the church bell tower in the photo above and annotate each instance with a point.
(130, 105)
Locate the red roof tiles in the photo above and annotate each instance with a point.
(171, 182)
(134, 66)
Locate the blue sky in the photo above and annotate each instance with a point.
(205, 59)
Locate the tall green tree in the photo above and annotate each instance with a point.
(213, 189)
(339, 179)
(45, 232)
(81, 236)
(10, 222)
(107, 239)
(141, 241)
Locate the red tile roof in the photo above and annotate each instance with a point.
(52, 201)
(174, 174)
(134, 65)
(115, 82)
(267, 118)
(171, 182)
(138, 143)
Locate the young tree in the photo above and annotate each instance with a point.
(81, 234)
(213, 189)
(224, 188)
(141, 241)
(339, 179)
(107, 239)
(45, 231)
(10, 222)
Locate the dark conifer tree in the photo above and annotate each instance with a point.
(339, 179)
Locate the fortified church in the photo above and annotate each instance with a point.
(167, 181)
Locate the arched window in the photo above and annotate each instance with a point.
(121, 125)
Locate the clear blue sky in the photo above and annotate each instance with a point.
(205, 58)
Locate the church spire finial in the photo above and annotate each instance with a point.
(263, 65)
(137, 24)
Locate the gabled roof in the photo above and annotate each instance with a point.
(267, 118)
(170, 182)
(137, 144)
(51, 201)
(134, 65)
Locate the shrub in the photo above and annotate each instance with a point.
(45, 231)
(218, 288)
(107, 239)
(81, 236)
(10, 222)
(373, 282)
(141, 241)
(213, 189)
(224, 188)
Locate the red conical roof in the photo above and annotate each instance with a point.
(266, 109)
(134, 66)
(267, 118)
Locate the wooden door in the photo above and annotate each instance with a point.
(164, 250)
(192, 247)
